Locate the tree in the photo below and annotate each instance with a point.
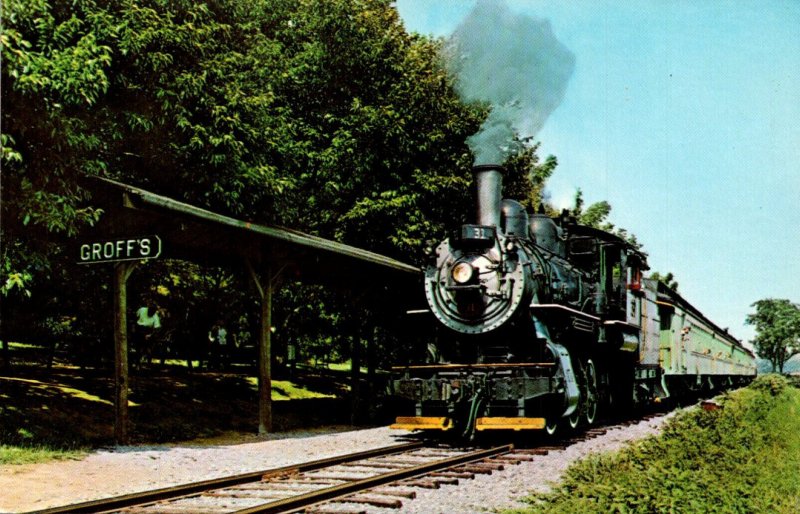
(526, 174)
(321, 115)
(596, 216)
(668, 279)
(777, 323)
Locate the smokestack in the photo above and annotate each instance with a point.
(489, 185)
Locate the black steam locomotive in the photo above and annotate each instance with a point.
(548, 322)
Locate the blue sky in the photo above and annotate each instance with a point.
(685, 116)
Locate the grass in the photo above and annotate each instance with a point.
(18, 346)
(64, 390)
(36, 454)
(285, 390)
(182, 363)
(742, 458)
(343, 367)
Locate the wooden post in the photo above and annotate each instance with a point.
(121, 273)
(265, 361)
(265, 286)
(355, 377)
(372, 340)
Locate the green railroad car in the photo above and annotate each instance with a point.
(689, 350)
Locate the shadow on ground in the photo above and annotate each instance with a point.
(69, 407)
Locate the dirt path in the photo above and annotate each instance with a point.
(126, 470)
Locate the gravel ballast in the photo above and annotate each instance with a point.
(124, 470)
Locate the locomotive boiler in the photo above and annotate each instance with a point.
(545, 324)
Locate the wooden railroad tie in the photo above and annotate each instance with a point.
(422, 483)
(472, 468)
(453, 474)
(370, 500)
(394, 491)
(533, 451)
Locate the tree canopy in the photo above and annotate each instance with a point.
(596, 216)
(320, 115)
(777, 323)
(667, 279)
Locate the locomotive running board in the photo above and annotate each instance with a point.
(422, 423)
(509, 424)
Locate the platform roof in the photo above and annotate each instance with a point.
(192, 233)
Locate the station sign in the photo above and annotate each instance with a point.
(120, 249)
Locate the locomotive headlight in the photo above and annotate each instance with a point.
(462, 272)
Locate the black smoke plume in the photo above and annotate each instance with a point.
(516, 64)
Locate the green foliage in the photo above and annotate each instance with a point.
(16, 280)
(668, 279)
(283, 390)
(777, 323)
(322, 115)
(774, 385)
(526, 174)
(385, 163)
(740, 458)
(36, 454)
(593, 216)
(596, 216)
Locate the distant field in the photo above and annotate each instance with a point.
(742, 458)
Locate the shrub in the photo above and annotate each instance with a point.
(742, 458)
(772, 383)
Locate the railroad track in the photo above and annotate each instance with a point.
(385, 477)
(295, 488)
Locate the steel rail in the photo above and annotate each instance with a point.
(311, 498)
(175, 492)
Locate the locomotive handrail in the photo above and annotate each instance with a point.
(624, 324)
(563, 308)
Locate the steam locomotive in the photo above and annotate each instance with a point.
(546, 323)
